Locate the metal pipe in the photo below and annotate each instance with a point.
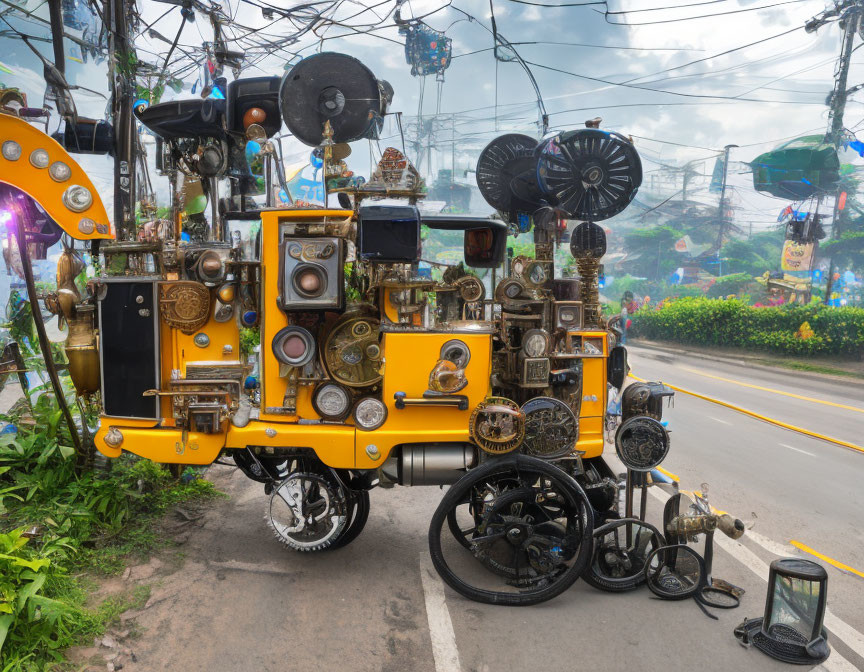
(44, 343)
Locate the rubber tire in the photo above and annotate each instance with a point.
(359, 502)
(456, 495)
(620, 585)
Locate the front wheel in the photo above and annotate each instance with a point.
(530, 540)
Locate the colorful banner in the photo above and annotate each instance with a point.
(797, 256)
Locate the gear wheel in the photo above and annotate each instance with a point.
(307, 512)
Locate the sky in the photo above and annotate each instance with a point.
(754, 97)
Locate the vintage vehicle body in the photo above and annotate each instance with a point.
(376, 365)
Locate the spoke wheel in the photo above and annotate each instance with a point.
(531, 533)
(307, 512)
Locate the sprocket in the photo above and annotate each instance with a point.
(307, 512)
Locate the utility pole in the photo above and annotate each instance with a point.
(849, 12)
(722, 205)
(121, 73)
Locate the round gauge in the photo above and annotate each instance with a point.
(373, 351)
(295, 250)
(352, 354)
(331, 401)
(551, 428)
(360, 329)
(535, 343)
(535, 273)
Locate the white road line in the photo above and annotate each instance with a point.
(441, 633)
(797, 450)
(842, 630)
(725, 422)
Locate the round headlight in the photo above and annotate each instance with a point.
(535, 343)
(77, 198)
(59, 171)
(39, 158)
(641, 443)
(11, 150)
(294, 346)
(370, 413)
(331, 401)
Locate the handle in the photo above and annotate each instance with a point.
(460, 401)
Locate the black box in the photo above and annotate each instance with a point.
(388, 234)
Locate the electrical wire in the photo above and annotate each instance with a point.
(701, 16)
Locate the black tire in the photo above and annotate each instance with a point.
(593, 574)
(358, 503)
(458, 494)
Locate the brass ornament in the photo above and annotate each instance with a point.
(447, 378)
(497, 425)
(470, 289)
(352, 354)
(184, 305)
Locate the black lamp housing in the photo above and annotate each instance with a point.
(791, 629)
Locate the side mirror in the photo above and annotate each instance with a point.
(484, 247)
(617, 367)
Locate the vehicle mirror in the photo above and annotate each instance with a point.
(484, 247)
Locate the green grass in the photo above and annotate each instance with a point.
(813, 368)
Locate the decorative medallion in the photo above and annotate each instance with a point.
(497, 425)
(184, 305)
(551, 428)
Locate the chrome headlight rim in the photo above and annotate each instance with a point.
(366, 401)
(456, 351)
(301, 360)
(70, 204)
(325, 387)
(60, 171)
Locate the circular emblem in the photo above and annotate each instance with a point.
(497, 425)
(641, 443)
(551, 428)
(184, 305)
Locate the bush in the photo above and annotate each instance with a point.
(732, 323)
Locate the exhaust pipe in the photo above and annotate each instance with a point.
(429, 463)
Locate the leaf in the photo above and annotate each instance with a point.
(66, 451)
(5, 622)
(35, 565)
(30, 589)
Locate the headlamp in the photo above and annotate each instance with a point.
(370, 413)
(294, 346)
(331, 401)
(77, 198)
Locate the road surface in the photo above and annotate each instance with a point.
(240, 601)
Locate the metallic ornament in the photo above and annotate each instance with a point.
(551, 428)
(348, 354)
(641, 443)
(470, 289)
(497, 425)
(184, 305)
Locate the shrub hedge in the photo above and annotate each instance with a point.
(732, 323)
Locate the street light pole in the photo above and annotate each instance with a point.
(722, 205)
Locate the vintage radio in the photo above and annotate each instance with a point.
(311, 277)
(389, 234)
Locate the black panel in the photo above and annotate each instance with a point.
(129, 349)
(389, 234)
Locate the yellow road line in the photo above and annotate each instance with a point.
(674, 477)
(825, 558)
(758, 416)
(770, 389)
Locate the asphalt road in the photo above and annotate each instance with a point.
(234, 599)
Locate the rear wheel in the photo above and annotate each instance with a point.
(527, 543)
(358, 514)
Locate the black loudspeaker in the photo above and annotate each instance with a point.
(388, 234)
(336, 88)
(87, 136)
(129, 348)
(312, 274)
(193, 118)
(617, 367)
(253, 92)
